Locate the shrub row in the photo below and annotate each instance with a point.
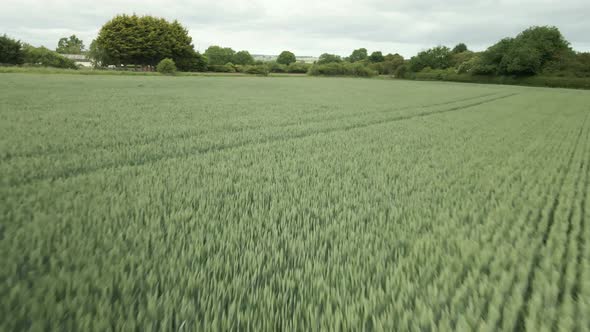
(261, 69)
(341, 69)
(542, 81)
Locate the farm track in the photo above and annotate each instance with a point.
(211, 149)
(189, 135)
(524, 310)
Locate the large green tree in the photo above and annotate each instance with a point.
(529, 53)
(391, 62)
(328, 58)
(286, 58)
(219, 56)
(242, 58)
(459, 48)
(70, 45)
(358, 55)
(11, 51)
(439, 57)
(376, 56)
(97, 55)
(41, 56)
(145, 40)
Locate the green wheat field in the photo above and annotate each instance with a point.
(292, 203)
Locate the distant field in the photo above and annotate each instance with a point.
(217, 203)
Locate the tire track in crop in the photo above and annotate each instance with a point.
(505, 301)
(523, 311)
(581, 240)
(459, 278)
(581, 172)
(191, 134)
(528, 218)
(237, 145)
(481, 271)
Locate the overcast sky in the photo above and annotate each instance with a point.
(308, 27)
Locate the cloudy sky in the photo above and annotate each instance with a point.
(308, 27)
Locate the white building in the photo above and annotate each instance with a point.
(267, 58)
(79, 59)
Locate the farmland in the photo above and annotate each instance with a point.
(249, 203)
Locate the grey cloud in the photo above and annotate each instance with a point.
(310, 27)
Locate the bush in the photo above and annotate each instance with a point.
(402, 71)
(342, 69)
(298, 68)
(230, 68)
(166, 67)
(261, 70)
(193, 62)
(361, 70)
(275, 67)
(41, 56)
(429, 74)
(221, 68)
(542, 81)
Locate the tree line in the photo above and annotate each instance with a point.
(539, 50)
(144, 41)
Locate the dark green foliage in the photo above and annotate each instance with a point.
(242, 58)
(286, 58)
(467, 65)
(298, 68)
(376, 56)
(341, 69)
(439, 57)
(358, 55)
(459, 58)
(260, 70)
(144, 40)
(402, 71)
(70, 45)
(230, 67)
(11, 51)
(526, 54)
(391, 63)
(41, 56)
(388, 65)
(219, 55)
(537, 80)
(275, 67)
(582, 64)
(328, 58)
(459, 48)
(521, 60)
(97, 55)
(227, 68)
(196, 62)
(166, 67)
